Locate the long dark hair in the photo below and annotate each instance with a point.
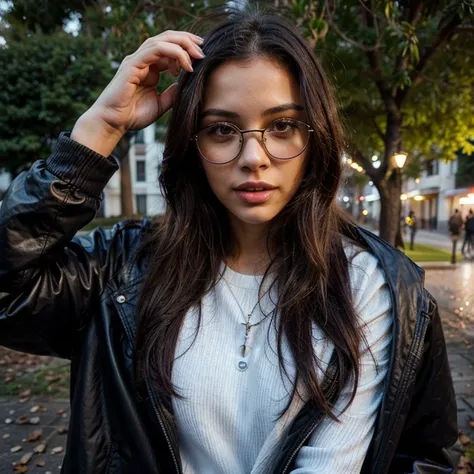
(186, 248)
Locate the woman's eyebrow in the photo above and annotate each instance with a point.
(271, 111)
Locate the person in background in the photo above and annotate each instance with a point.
(468, 233)
(455, 225)
(411, 223)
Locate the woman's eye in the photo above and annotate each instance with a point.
(221, 130)
(283, 126)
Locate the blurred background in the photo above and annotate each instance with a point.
(403, 76)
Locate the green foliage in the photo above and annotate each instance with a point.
(48, 81)
(372, 52)
(465, 173)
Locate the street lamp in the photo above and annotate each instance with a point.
(400, 159)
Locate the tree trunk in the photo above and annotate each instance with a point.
(390, 191)
(126, 192)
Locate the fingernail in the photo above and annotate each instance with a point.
(200, 51)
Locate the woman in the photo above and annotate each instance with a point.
(253, 328)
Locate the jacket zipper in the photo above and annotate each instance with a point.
(310, 430)
(300, 445)
(160, 420)
(150, 393)
(414, 354)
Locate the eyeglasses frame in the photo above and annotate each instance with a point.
(262, 141)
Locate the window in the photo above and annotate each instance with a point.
(141, 171)
(432, 168)
(141, 204)
(454, 166)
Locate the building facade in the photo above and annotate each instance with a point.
(433, 196)
(146, 155)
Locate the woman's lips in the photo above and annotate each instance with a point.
(254, 197)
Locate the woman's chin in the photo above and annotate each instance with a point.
(255, 215)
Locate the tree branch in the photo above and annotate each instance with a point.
(359, 158)
(413, 15)
(379, 130)
(443, 37)
(333, 25)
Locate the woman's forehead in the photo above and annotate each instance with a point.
(250, 86)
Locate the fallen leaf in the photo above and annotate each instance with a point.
(15, 449)
(59, 412)
(35, 436)
(40, 448)
(41, 464)
(8, 378)
(57, 450)
(34, 409)
(471, 423)
(62, 430)
(6, 436)
(35, 420)
(465, 440)
(20, 468)
(9, 421)
(25, 458)
(24, 399)
(26, 393)
(23, 420)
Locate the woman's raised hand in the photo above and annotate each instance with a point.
(130, 101)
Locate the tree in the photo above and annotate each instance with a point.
(403, 75)
(48, 81)
(118, 27)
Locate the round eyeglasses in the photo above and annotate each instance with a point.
(283, 139)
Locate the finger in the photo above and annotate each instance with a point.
(181, 39)
(167, 99)
(173, 66)
(163, 49)
(197, 39)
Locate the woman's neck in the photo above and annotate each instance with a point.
(250, 255)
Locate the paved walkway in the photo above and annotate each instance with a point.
(454, 290)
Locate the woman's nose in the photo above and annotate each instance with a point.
(253, 154)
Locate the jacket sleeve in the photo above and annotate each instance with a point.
(48, 277)
(431, 426)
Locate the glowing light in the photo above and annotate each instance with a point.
(377, 164)
(403, 197)
(365, 212)
(400, 159)
(419, 198)
(375, 158)
(417, 180)
(345, 198)
(467, 200)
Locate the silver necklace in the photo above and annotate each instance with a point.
(247, 324)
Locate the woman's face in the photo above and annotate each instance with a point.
(252, 95)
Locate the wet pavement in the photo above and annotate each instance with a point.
(453, 289)
(49, 434)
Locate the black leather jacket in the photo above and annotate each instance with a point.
(74, 297)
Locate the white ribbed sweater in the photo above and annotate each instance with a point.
(228, 421)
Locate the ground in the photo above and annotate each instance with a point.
(36, 387)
